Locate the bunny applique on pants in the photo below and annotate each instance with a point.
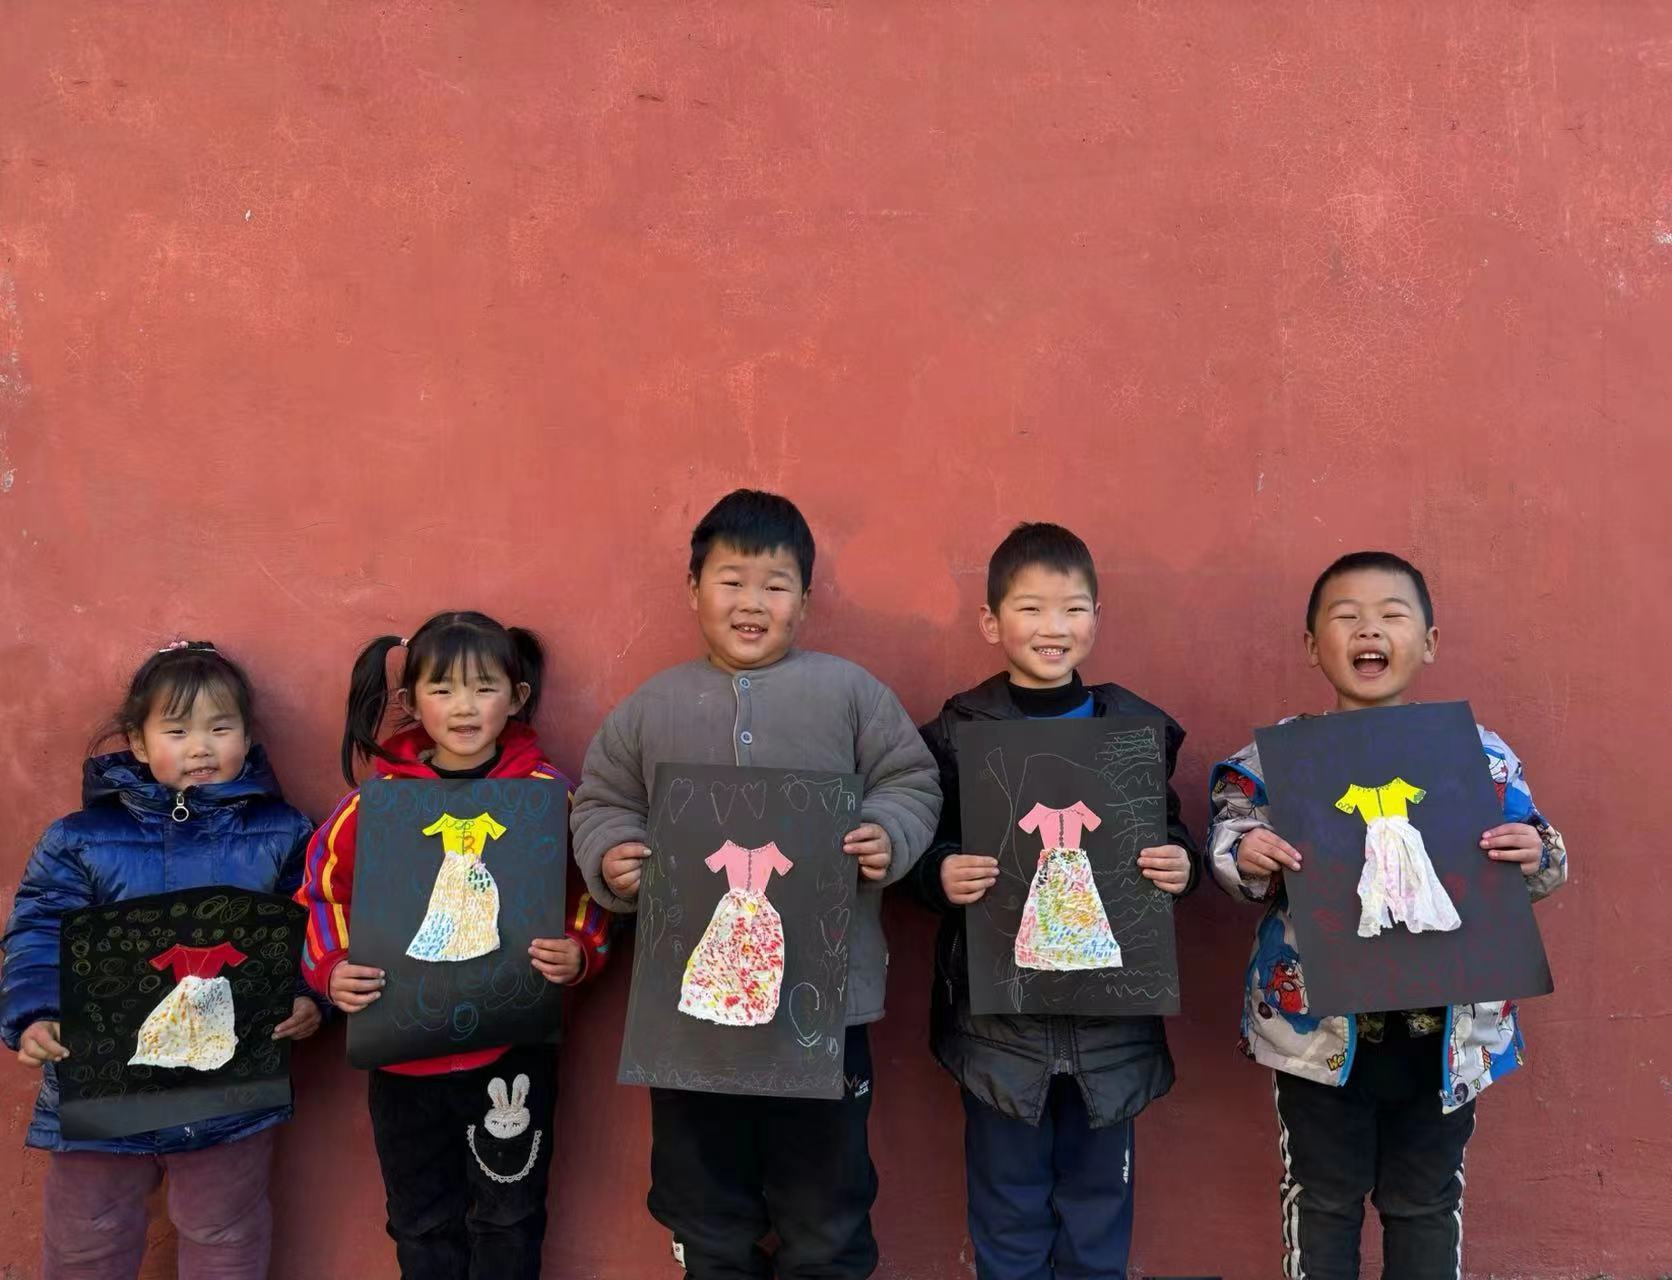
(465, 1158)
(507, 1118)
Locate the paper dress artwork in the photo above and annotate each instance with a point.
(1373, 880)
(463, 917)
(734, 974)
(1398, 884)
(454, 878)
(192, 1025)
(168, 1003)
(734, 993)
(1064, 926)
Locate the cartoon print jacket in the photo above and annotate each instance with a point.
(1482, 1042)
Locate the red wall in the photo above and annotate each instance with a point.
(317, 317)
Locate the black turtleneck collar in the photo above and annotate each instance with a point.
(478, 771)
(1044, 704)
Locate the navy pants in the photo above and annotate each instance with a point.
(1052, 1201)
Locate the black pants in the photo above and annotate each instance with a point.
(1382, 1134)
(1051, 1201)
(465, 1168)
(726, 1169)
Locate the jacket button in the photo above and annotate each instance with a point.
(743, 682)
(745, 737)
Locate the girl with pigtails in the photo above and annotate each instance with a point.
(466, 693)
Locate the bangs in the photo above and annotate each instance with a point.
(472, 652)
(1049, 546)
(178, 692)
(171, 683)
(754, 523)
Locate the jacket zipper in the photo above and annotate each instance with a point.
(952, 966)
(180, 813)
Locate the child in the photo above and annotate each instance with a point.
(190, 803)
(727, 1169)
(471, 685)
(1380, 1104)
(1048, 1100)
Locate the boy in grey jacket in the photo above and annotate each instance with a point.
(728, 1170)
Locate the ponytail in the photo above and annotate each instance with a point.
(531, 657)
(444, 640)
(368, 702)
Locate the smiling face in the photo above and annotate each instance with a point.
(1046, 625)
(1370, 638)
(748, 606)
(191, 746)
(464, 710)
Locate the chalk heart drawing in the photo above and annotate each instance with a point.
(804, 1003)
(722, 795)
(679, 795)
(754, 795)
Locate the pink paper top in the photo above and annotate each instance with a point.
(748, 868)
(1060, 828)
(198, 962)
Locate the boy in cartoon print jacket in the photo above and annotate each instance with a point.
(1484, 1040)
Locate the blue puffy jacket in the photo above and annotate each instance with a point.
(125, 844)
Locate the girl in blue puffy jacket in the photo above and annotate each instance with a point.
(191, 802)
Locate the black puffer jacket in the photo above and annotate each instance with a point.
(1007, 1060)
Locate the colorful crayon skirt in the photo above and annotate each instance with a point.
(463, 917)
(1064, 925)
(191, 1027)
(734, 974)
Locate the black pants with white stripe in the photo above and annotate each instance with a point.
(1383, 1135)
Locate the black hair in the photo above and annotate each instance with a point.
(1359, 561)
(172, 679)
(754, 522)
(442, 643)
(1047, 545)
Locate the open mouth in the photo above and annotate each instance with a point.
(1370, 663)
(203, 773)
(1051, 652)
(465, 730)
(749, 630)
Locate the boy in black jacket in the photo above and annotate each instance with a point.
(1048, 1100)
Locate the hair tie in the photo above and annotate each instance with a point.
(403, 643)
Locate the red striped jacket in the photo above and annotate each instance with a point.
(328, 880)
